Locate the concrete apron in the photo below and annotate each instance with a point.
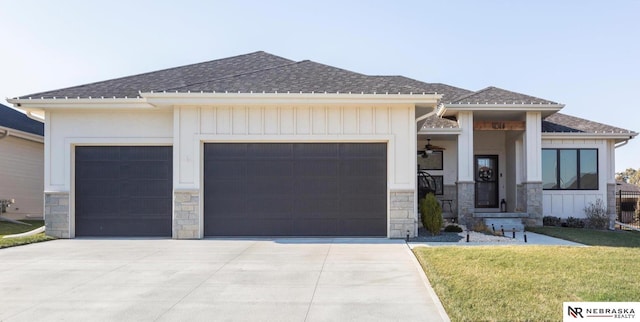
(301, 279)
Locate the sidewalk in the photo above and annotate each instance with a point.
(532, 239)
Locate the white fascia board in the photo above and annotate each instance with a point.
(582, 136)
(22, 134)
(440, 130)
(499, 107)
(42, 104)
(166, 99)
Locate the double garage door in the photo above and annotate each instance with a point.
(250, 189)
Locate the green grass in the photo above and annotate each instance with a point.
(516, 283)
(592, 237)
(8, 228)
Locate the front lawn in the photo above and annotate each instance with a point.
(8, 228)
(591, 237)
(528, 283)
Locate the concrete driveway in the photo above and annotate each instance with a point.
(215, 280)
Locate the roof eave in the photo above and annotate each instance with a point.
(30, 104)
(191, 98)
(618, 136)
(546, 109)
(23, 134)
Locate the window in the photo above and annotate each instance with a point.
(570, 169)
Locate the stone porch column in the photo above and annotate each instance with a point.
(532, 184)
(402, 217)
(465, 183)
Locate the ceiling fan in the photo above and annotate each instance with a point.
(429, 148)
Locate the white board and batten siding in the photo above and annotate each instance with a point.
(393, 125)
(565, 203)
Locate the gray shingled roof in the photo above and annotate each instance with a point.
(254, 72)
(170, 78)
(494, 95)
(13, 119)
(563, 123)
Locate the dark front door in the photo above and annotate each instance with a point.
(123, 190)
(295, 189)
(486, 178)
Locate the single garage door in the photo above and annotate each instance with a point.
(295, 189)
(123, 190)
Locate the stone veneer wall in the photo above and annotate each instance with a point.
(533, 195)
(186, 215)
(402, 215)
(611, 204)
(56, 214)
(466, 202)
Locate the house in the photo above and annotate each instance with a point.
(260, 145)
(21, 165)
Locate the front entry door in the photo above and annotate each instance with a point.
(486, 177)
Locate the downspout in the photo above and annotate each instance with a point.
(34, 117)
(621, 144)
(4, 135)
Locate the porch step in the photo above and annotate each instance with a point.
(501, 215)
(508, 224)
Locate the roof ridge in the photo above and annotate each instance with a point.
(471, 94)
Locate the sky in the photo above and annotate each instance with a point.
(584, 54)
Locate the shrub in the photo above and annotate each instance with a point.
(597, 216)
(573, 222)
(431, 214)
(453, 229)
(551, 221)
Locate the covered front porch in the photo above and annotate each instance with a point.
(486, 163)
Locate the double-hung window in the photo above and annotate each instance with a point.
(570, 169)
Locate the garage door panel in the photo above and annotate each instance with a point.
(255, 227)
(280, 168)
(361, 204)
(145, 170)
(317, 227)
(269, 150)
(228, 187)
(144, 188)
(316, 186)
(228, 206)
(317, 168)
(118, 227)
(226, 151)
(98, 205)
(98, 170)
(139, 153)
(358, 168)
(363, 227)
(97, 153)
(269, 185)
(123, 191)
(296, 189)
(367, 151)
(314, 207)
(226, 168)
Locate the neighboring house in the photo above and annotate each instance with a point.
(259, 145)
(21, 164)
